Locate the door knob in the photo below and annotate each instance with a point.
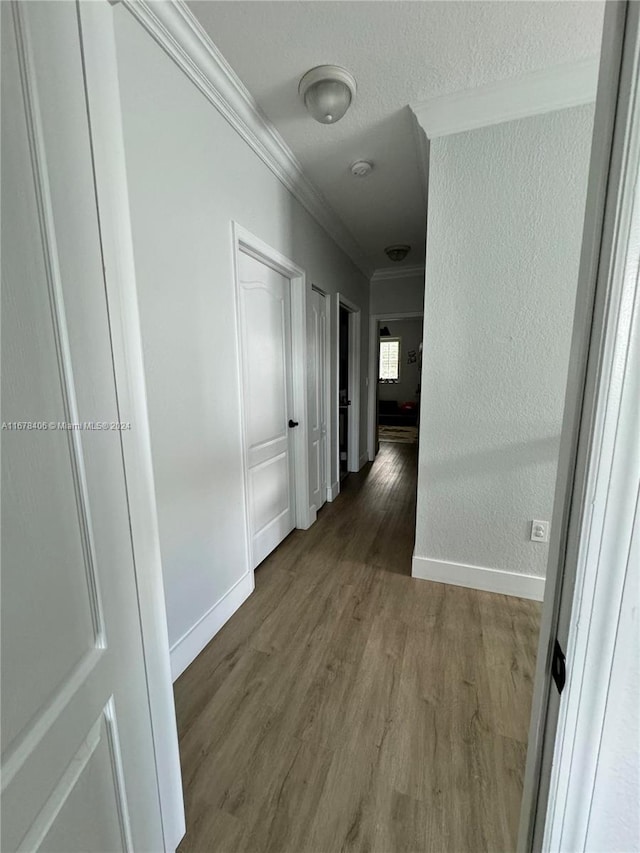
(293, 423)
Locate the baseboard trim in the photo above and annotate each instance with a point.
(311, 518)
(478, 577)
(333, 491)
(188, 647)
(364, 459)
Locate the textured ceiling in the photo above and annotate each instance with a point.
(400, 52)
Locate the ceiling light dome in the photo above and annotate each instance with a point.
(327, 92)
(398, 252)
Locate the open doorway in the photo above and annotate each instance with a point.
(348, 386)
(395, 375)
(399, 375)
(344, 400)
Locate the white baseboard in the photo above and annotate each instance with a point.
(311, 518)
(363, 461)
(189, 646)
(478, 577)
(333, 491)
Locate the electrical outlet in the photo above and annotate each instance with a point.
(539, 531)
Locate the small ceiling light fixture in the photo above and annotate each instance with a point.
(327, 92)
(398, 252)
(361, 168)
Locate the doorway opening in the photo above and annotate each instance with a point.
(395, 372)
(399, 375)
(344, 401)
(348, 388)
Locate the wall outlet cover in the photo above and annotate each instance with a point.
(539, 531)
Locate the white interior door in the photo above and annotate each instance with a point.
(78, 767)
(265, 330)
(318, 399)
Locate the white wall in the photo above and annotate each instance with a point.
(397, 296)
(410, 333)
(506, 207)
(190, 175)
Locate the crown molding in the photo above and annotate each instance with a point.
(534, 94)
(174, 27)
(392, 273)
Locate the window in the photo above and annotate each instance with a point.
(390, 360)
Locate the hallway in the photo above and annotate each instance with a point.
(347, 706)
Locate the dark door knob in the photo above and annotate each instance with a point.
(292, 423)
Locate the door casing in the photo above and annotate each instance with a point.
(105, 121)
(244, 241)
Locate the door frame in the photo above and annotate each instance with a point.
(597, 471)
(246, 242)
(327, 388)
(374, 355)
(112, 197)
(353, 390)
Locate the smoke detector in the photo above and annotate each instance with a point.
(361, 168)
(398, 252)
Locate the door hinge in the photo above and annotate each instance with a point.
(558, 666)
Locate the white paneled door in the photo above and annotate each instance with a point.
(265, 324)
(78, 767)
(318, 399)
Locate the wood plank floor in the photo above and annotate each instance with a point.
(349, 707)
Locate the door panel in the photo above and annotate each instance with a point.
(78, 767)
(70, 821)
(264, 313)
(318, 400)
(269, 503)
(265, 324)
(269, 486)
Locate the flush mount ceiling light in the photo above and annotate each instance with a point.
(327, 92)
(361, 168)
(398, 252)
